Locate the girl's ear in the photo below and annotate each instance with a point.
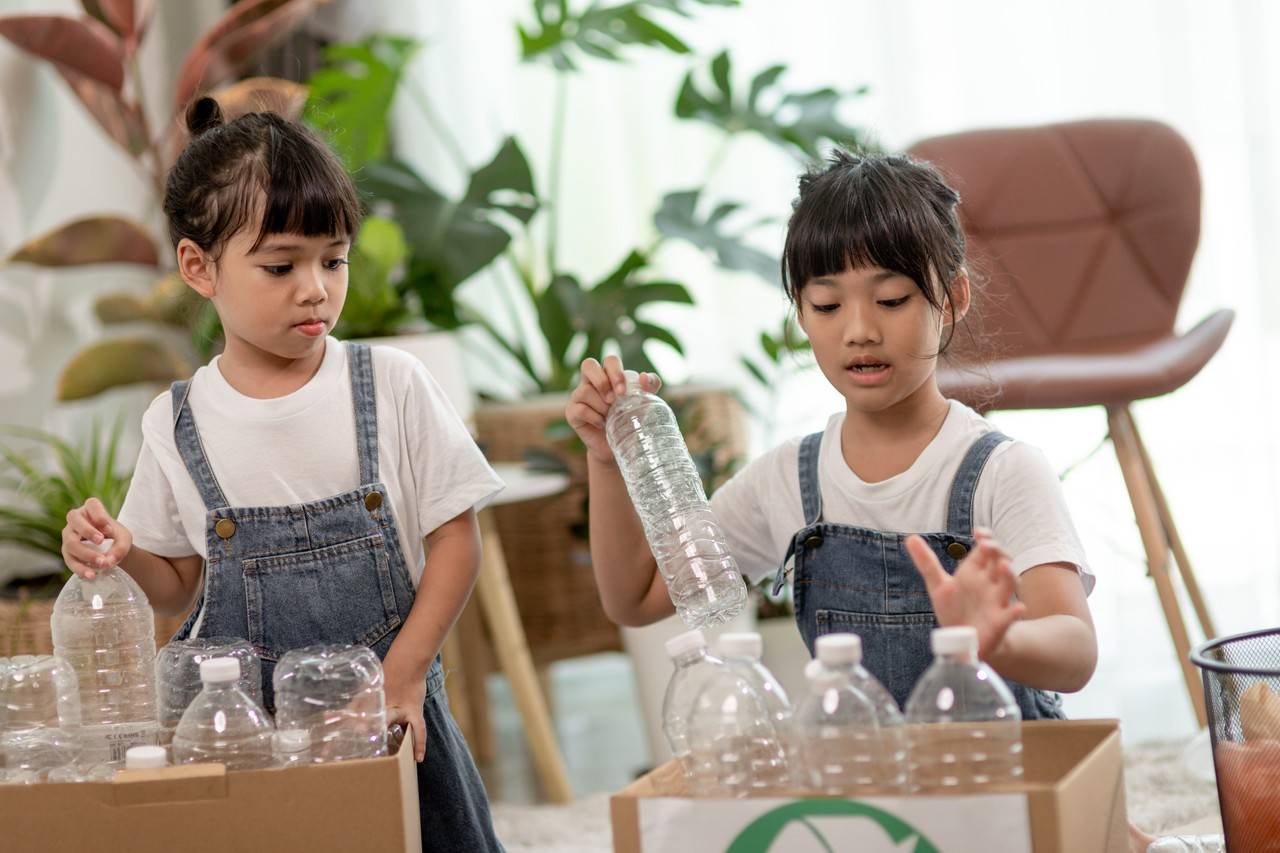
(195, 267)
(957, 304)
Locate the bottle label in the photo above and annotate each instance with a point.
(108, 744)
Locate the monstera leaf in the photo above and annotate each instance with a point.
(677, 218)
(374, 306)
(601, 31)
(450, 240)
(351, 96)
(797, 121)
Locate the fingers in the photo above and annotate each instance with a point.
(98, 516)
(419, 726)
(616, 378)
(650, 382)
(926, 563)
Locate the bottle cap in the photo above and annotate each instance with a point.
(839, 649)
(219, 670)
(293, 740)
(741, 644)
(632, 378)
(683, 643)
(144, 757)
(956, 640)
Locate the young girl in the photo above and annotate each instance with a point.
(295, 479)
(909, 510)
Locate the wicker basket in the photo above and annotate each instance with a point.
(25, 628)
(545, 546)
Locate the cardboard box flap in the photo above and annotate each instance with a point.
(167, 785)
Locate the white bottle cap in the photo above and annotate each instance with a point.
(144, 757)
(956, 640)
(740, 644)
(293, 740)
(219, 670)
(839, 649)
(632, 379)
(683, 643)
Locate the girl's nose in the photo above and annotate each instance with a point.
(860, 326)
(311, 290)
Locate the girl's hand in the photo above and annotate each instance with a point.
(980, 593)
(589, 404)
(406, 693)
(87, 528)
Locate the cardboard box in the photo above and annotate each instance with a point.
(1071, 801)
(367, 805)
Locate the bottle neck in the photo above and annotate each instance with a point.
(964, 658)
(691, 657)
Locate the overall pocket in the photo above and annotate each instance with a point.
(339, 594)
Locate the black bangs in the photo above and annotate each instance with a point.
(862, 211)
(306, 194)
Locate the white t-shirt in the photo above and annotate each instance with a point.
(302, 447)
(1018, 497)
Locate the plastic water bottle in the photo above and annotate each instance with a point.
(223, 724)
(105, 629)
(963, 725)
(178, 675)
(336, 694)
(741, 652)
(1188, 844)
(693, 668)
(838, 736)
(843, 653)
(735, 749)
(701, 575)
(39, 717)
(292, 747)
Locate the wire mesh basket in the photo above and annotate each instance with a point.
(1242, 695)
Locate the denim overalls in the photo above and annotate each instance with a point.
(330, 571)
(859, 580)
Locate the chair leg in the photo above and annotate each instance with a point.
(1156, 544)
(477, 663)
(457, 680)
(1175, 540)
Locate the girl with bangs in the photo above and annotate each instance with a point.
(909, 510)
(342, 466)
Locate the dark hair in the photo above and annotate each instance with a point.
(876, 210)
(212, 190)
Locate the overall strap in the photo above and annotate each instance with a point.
(810, 491)
(965, 485)
(364, 401)
(187, 438)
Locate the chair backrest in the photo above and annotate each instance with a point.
(1083, 231)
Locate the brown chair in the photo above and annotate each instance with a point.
(1085, 233)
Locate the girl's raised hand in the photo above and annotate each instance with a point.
(87, 528)
(980, 593)
(599, 386)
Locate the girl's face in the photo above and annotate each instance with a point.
(874, 334)
(281, 298)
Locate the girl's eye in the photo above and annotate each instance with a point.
(278, 269)
(895, 303)
(335, 264)
(825, 309)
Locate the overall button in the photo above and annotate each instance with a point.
(813, 540)
(957, 550)
(226, 528)
(372, 501)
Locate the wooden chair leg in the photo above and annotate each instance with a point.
(456, 683)
(1156, 544)
(477, 661)
(1175, 541)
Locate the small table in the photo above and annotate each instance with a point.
(498, 608)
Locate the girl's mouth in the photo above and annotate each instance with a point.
(869, 374)
(311, 329)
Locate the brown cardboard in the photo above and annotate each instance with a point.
(369, 805)
(1074, 783)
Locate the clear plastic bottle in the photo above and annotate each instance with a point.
(838, 736)
(105, 629)
(701, 575)
(693, 667)
(1188, 844)
(734, 748)
(336, 694)
(178, 675)
(292, 747)
(39, 716)
(963, 725)
(842, 652)
(223, 724)
(741, 652)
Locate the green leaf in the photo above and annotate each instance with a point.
(351, 96)
(799, 122)
(449, 241)
(602, 31)
(677, 218)
(374, 306)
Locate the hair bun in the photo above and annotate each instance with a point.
(203, 115)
